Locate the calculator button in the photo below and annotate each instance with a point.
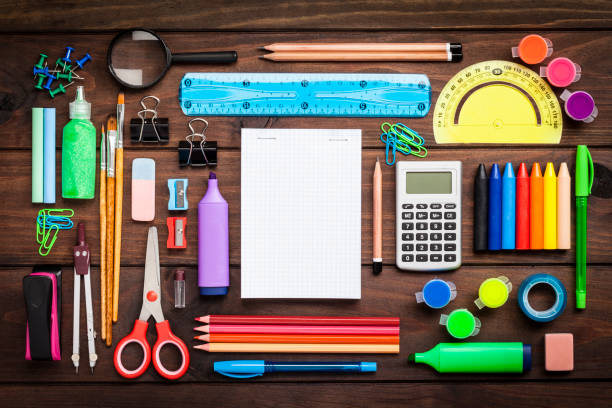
(407, 206)
(407, 247)
(450, 215)
(435, 226)
(449, 206)
(421, 258)
(435, 215)
(407, 226)
(450, 258)
(408, 236)
(435, 247)
(450, 226)
(421, 206)
(436, 206)
(450, 236)
(421, 226)
(421, 216)
(421, 236)
(407, 215)
(435, 258)
(436, 236)
(421, 247)
(407, 258)
(450, 247)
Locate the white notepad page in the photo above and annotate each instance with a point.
(301, 213)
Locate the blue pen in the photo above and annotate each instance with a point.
(495, 209)
(508, 208)
(254, 368)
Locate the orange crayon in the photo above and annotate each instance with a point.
(536, 212)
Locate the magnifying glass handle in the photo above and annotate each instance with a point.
(214, 57)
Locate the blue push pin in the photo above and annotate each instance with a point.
(83, 60)
(49, 82)
(67, 57)
(44, 71)
(437, 293)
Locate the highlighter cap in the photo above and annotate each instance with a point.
(80, 108)
(584, 171)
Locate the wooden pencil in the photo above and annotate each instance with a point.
(298, 348)
(374, 47)
(103, 235)
(287, 56)
(303, 338)
(301, 320)
(293, 329)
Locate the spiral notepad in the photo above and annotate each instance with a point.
(301, 213)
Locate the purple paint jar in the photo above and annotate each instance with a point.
(579, 106)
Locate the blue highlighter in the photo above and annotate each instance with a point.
(437, 293)
(495, 209)
(508, 208)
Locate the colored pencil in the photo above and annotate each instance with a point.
(283, 56)
(118, 204)
(563, 207)
(300, 320)
(298, 348)
(550, 207)
(304, 338)
(377, 219)
(522, 207)
(290, 329)
(536, 209)
(103, 235)
(373, 47)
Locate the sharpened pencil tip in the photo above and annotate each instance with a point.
(203, 347)
(261, 48)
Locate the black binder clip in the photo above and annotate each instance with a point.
(197, 153)
(149, 129)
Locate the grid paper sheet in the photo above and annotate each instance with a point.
(301, 213)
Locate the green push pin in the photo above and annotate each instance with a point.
(41, 61)
(67, 77)
(64, 65)
(41, 79)
(60, 89)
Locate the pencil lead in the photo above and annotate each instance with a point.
(261, 48)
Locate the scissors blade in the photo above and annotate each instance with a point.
(151, 293)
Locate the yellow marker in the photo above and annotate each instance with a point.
(550, 207)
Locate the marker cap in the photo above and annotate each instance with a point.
(561, 72)
(461, 323)
(533, 49)
(579, 105)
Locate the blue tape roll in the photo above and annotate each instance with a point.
(542, 315)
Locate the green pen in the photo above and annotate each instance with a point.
(584, 182)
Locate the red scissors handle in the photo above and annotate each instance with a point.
(139, 336)
(166, 337)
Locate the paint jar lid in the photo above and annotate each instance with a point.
(561, 72)
(461, 323)
(533, 49)
(493, 292)
(579, 105)
(437, 293)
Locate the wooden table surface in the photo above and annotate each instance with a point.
(579, 30)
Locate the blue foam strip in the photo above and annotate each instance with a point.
(49, 155)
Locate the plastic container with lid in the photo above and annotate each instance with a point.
(461, 323)
(579, 105)
(437, 293)
(533, 49)
(561, 72)
(493, 292)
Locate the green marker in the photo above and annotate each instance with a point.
(477, 357)
(584, 182)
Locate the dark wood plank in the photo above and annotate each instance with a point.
(18, 96)
(22, 248)
(390, 294)
(35, 15)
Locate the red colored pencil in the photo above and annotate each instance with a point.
(522, 207)
(298, 338)
(292, 329)
(301, 320)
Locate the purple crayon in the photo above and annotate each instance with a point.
(213, 241)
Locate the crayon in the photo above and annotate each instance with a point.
(481, 208)
(522, 207)
(563, 207)
(550, 207)
(536, 211)
(495, 208)
(508, 207)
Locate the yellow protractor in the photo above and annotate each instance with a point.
(497, 102)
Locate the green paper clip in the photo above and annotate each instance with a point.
(48, 224)
(400, 137)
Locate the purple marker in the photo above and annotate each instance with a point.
(579, 106)
(213, 241)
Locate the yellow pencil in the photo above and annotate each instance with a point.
(298, 348)
(550, 207)
(118, 204)
(103, 235)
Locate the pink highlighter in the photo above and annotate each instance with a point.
(143, 189)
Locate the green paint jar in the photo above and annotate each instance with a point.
(79, 151)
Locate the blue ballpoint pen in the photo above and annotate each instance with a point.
(254, 368)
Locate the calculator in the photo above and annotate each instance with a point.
(428, 215)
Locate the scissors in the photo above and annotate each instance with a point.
(151, 306)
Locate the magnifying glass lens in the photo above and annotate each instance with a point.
(139, 58)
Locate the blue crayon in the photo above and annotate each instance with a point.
(508, 207)
(495, 209)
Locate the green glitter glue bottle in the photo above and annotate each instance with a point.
(79, 151)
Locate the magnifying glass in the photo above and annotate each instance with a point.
(139, 58)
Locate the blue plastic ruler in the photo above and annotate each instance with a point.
(308, 94)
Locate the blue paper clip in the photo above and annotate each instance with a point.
(399, 137)
(48, 224)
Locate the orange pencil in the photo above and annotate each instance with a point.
(536, 210)
(377, 219)
(305, 338)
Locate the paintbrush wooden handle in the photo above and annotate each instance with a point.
(110, 207)
(103, 253)
(118, 220)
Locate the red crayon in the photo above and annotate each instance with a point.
(522, 208)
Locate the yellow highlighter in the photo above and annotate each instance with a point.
(550, 207)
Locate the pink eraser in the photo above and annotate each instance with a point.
(559, 351)
(143, 189)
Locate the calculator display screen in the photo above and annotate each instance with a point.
(429, 182)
